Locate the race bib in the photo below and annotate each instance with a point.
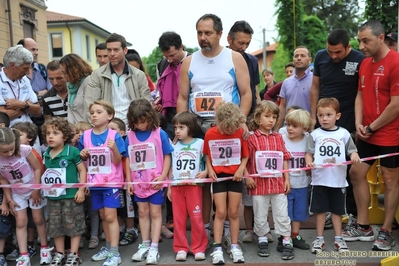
(19, 172)
(54, 176)
(206, 102)
(225, 152)
(270, 162)
(142, 156)
(99, 161)
(297, 161)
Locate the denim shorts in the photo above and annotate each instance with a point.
(6, 223)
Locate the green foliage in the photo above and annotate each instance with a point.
(384, 11)
(281, 58)
(335, 14)
(354, 43)
(316, 34)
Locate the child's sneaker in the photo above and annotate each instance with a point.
(101, 255)
(248, 236)
(31, 251)
(141, 253)
(165, 232)
(73, 259)
(23, 261)
(128, 238)
(199, 256)
(263, 249)
(112, 260)
(45, 256)
(299, 242)
(152, 257)
(328, 224)
(226, 243)
(236, 255)
(318, 246)
(340, 245)
(3, 261)
(181, 256)
(355, 232)
(217, 257)
(288, 252)
(58, 259)
(384, 241)
(13, 255)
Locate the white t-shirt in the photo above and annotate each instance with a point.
(298, 179)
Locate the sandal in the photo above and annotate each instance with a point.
(73, 260)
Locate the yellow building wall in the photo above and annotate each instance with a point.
(91, 56)
(66, 40)
(40, 34)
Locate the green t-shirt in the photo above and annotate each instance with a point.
(69, 158)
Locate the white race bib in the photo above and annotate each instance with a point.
(99, 161)
(54, 176)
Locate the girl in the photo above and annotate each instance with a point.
(19, 165)
(149, 151)
(226, 155)
(267, 153)
(298, 123)
(187, 199)
(66, 216)
(103, 149)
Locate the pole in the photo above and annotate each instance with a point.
(264, 49)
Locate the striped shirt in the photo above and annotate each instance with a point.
(54, 105)
(262, 142)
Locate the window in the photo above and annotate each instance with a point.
(96, 42)
(56, 44)
(88, 50)
(28, 29)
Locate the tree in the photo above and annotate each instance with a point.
(156, 55)
(335, 13)
(384, 11)
(281, 58)
(316, 35)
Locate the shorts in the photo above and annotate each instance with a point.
(24, 200)
(122, 211)
(6, 224)
(226, 186)
(105, 198)
(328, 199)
(206, 123)
(65, 218)
(367, 150)
(246, 198)
(298, 209)
(155, 199)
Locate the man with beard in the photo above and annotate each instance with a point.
(296, 89)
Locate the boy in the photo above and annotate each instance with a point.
(329, 144)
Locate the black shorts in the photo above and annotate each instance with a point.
(368, 150)
(327, 199)
(226, 186)
(122, 211)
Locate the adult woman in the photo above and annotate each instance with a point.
(76, 71)
(268, 76)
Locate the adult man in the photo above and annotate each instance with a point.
(391, 40)
(296, 89)
(336, 75)
(101, 54)
(239, 38)
(377, 122)
(214, 74)
(168, 83)
(117, 81)
(55, 100)
(17, 98)
(211, 75)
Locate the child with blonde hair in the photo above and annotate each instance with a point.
(226, 155)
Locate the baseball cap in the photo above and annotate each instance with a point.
(393, 36)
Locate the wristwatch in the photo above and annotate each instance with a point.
(369, 130)
(26, 105)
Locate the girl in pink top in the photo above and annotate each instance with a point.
(149, 159)
(18, 165)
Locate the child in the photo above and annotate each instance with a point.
(126, 213)
(149, 155)
(283, 130)
(19, 165)
(226, 155)
(103, 149)
(298, 122)
(187, 199)
(64, 206)
(6, 222)
(329, 144)
(79, 128)
(267, 153)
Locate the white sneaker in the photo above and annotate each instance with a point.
(217, 257)
(248, 236)
(141, 253)
(181, 256)
(236, 255)
(199, 256)
(45, 256)
(23, 261)
(101, 255)
(113, 260)
(152, 257)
